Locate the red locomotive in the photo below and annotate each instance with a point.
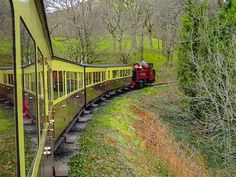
(143, 73)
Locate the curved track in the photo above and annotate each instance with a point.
(68, 148)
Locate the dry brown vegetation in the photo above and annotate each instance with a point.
(156, 136)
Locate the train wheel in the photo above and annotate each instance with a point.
(141, 84)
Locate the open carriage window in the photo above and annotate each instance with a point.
(8, 146)
(30, 105)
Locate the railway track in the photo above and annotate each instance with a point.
(69, 146)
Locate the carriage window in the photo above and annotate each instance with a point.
(41, 85)
(99, 76)
(68, 82)
(103, 76)
(81, 80)
(55, 85)
(90, 77)
(86, 76)
(10, 79)
(94, 77)
(61, 83)
(30, 106)
(8, 157)
(49, 79)
(115, 74)
(5, 78)
(73, 81)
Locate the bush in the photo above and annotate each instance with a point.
(206, 72)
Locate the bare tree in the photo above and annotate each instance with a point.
(80, 17)
(128, 22)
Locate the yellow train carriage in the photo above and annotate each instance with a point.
(100, 80)
(77, 86)
(68, 95)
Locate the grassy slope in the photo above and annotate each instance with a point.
(111, 147)
(166, 103)
(7, 143)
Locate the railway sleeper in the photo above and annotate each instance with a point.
(70, 139)
(112, 93)
(85, 119)
(60, 169)
(103, 99)
(94, 105)
(119, 91)
(87, 112)
(80, 127)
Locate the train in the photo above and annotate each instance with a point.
(143, 74)
(46, 92)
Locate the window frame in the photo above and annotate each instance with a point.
(36, 90)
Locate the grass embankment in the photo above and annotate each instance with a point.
(145, 133)
(111, 146)
(126, 138)
(7, 142)
(8, 156)
(165, 103)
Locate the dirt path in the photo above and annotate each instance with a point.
(157, 138)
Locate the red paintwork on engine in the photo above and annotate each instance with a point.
(143, 73)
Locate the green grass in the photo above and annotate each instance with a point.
(6, 53)
(7, 142)
(5, 47)
(104, 50)
(111, 147)
(166, 103)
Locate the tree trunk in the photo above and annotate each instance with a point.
(120, 41)
(158, 47)
(142, 45)
(151, 41)
(114, 43)
(134, 42)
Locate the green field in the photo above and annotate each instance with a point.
(5, 53)
(104, 50)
